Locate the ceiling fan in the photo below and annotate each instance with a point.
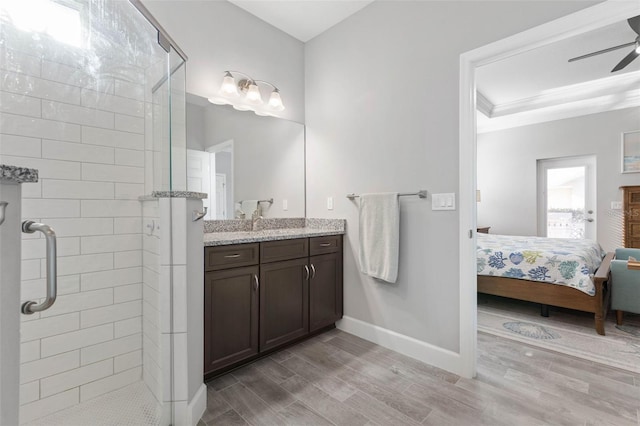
(634, 23)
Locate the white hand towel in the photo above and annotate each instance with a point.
(380, 235)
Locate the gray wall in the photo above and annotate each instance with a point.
(218, 36)
(507, 170)
(382, 115)
(195, 127)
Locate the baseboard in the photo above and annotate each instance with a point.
(409, 346)
(197, 406)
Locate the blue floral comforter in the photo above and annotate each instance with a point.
(563, 261)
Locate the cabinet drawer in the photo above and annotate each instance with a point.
(223, 257)
(328, 244)
(273, 251)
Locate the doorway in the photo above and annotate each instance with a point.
(581, 22)
(567, 197)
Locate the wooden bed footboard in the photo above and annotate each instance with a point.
(556, 295)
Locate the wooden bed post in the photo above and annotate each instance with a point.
(603, 292)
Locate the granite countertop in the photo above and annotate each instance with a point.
(15, 174)
(308, 228)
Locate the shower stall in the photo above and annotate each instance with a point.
(92, 95)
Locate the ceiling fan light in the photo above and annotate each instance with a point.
(638, 48)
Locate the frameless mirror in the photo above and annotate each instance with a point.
(244, 162)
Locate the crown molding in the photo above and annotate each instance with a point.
(576, 92)
(605, 94)
(594, 105)
(483, 104)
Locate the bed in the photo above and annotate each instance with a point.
(568, 273)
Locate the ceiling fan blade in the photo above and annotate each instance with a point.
(626, 60)
(634, 23)
(599, 52)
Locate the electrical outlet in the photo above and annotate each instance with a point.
(329, 203)
(616, 205)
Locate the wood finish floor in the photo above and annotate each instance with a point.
(339, 379)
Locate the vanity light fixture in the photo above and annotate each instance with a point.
(245, 95)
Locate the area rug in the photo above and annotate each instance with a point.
(566, 331)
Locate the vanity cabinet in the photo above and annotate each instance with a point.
(231, 304)
(325, 284)
(260, 297)
(284, 302)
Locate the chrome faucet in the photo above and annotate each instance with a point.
(255, 217)
(3, 207)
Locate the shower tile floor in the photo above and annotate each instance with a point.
(133, 405)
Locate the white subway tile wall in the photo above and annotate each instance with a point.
(151, 346)
(86, 136)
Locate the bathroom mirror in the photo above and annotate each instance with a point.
(239, 158)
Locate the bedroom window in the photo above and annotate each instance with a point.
(566, 197)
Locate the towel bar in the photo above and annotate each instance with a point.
(422, 194)
(270, 201)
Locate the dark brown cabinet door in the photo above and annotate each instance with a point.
(231, 316)
(284, 302)
(325, 287)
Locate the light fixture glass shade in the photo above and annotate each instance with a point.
(275, 101)
(241, 107)
(229, 87)
(253, 96)
(218, 100)
(638, 47)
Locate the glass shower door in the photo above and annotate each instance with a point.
(86, 95)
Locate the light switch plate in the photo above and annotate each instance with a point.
(616, 205)
(446, 201)
(285, 205)
(329, 203)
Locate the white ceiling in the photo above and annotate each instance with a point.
(541, 85)
(536, 86)
(302, 19)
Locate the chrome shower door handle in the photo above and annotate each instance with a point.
(30, 227)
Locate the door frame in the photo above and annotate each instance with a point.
(590, 163)
(222, 177)
(585, 20)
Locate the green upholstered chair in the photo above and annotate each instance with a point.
(625, 284)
